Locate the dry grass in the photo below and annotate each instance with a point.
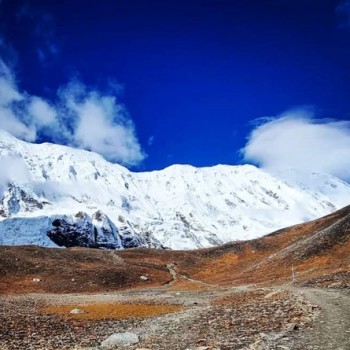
(112, 311)
(314, 249)
(186, 285)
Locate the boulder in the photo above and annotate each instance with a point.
(77, 311)
(120, 339)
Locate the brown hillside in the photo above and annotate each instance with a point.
(318, 250)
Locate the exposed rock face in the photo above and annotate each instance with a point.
(97, 231)
(128, 237)
(73, 231)
(180, 207)
(79, 230)
(105, 232)
(16, 199)
(83, 231)
(131, 239)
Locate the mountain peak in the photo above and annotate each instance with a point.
(180, 207)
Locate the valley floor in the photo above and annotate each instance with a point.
(210, 318)
(231, 297)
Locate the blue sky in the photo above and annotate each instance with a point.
(152, 83)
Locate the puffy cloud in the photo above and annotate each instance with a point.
(13, 169)
(80, 117)
(101, 124)
(297, 140)
(10, 113)
(10, 122)
(41, 112)
(8, 88)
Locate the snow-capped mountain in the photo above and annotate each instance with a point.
(54, 195)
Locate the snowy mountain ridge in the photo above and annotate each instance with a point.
(54, 195)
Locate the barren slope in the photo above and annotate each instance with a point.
(318, 250)
(185, 299)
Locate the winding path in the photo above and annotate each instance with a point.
(331, 330)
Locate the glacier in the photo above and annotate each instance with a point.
(53, 195)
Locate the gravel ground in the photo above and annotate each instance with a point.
(332, 329)
(223, 319)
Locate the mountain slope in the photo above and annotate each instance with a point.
(319, 251)
(181, 207)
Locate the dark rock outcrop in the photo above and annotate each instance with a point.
(82, 230)
(73, 231)
(106, 234)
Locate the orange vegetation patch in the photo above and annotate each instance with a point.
(226, 268)
(186, 285)
(336, 261)
(112, 311)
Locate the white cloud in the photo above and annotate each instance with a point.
(41, 112)
(13, 169)
(101, 125)
(10, 123)
(8, 89)
(81, 117)
(10, 115)
(297, 140)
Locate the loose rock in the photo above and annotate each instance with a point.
(37, 280)
(120, 339)
(77, 311)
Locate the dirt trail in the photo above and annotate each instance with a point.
(173, 273)
(175, 276)
(331, 330)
